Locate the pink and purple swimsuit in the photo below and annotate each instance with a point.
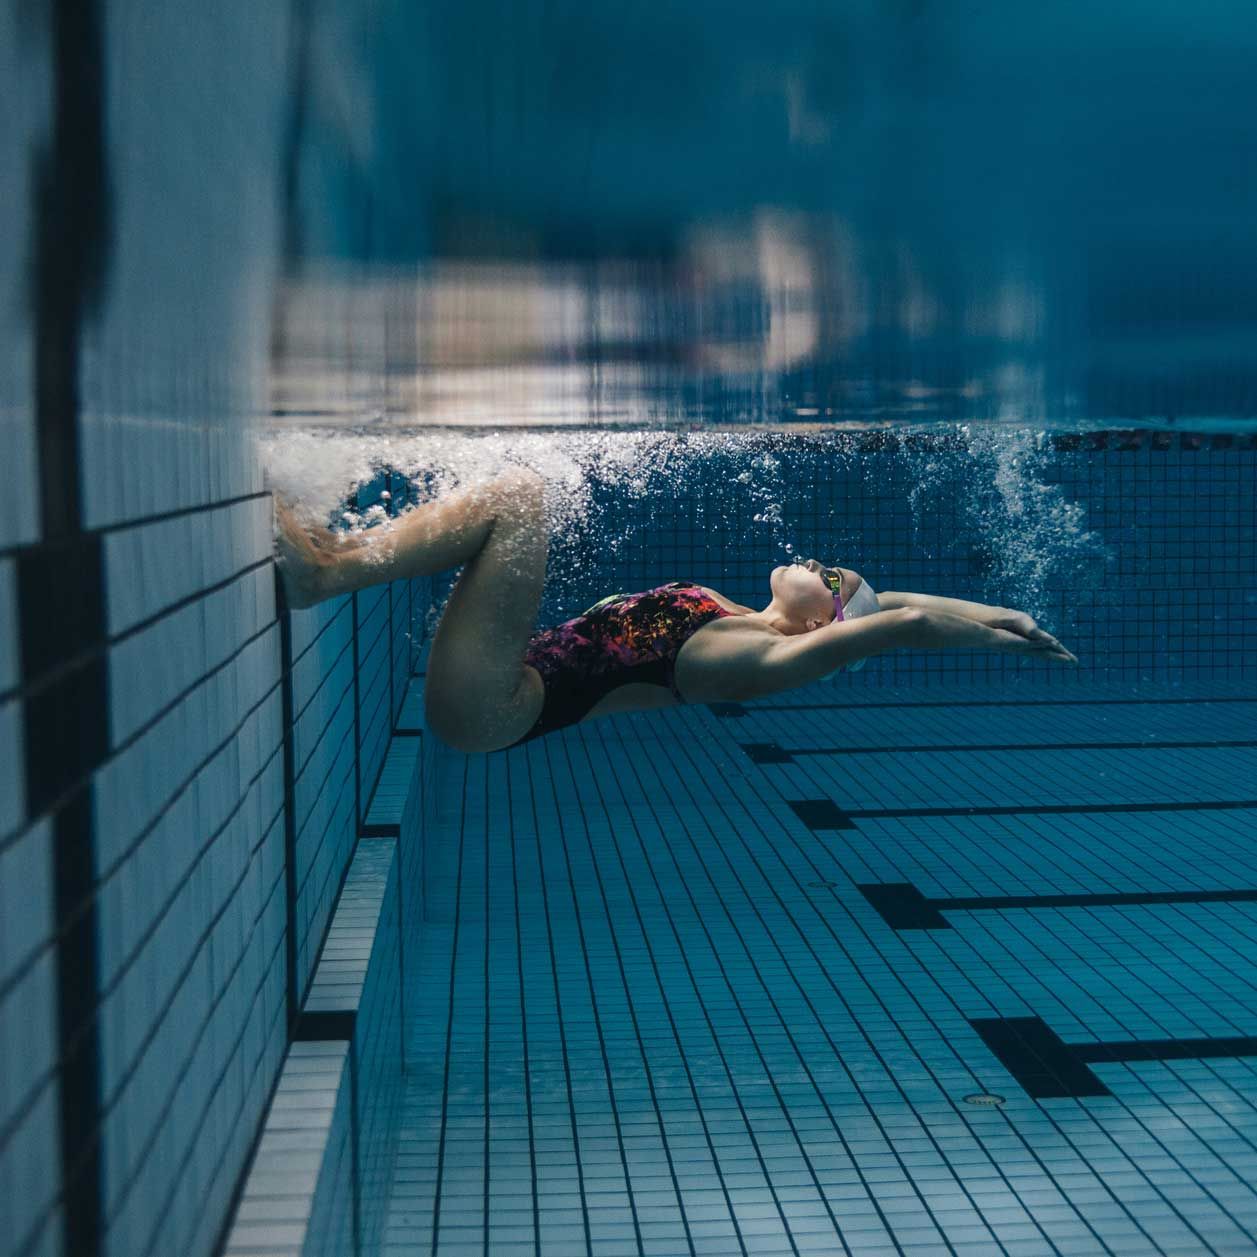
(623, 639)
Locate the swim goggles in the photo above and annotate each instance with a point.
(833, 579)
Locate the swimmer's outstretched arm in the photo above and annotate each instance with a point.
(994, 617)
(740, 664)
(317, 563)
(1019, 622)
(812, 656)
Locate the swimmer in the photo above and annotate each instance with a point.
(493, 681)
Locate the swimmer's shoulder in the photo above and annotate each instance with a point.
(736, 608)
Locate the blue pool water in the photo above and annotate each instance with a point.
(956, 954)
(744, 978)
(658, 1011)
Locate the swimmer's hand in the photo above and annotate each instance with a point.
(940, 630)
(1023, 625)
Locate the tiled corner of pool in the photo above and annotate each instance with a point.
(967, 971)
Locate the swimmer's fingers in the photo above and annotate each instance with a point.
(1039, 644)
(1040, 635)
(1025, 627)
(1014, 622)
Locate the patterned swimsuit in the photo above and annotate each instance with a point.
(623, 639)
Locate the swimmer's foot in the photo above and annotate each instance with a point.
(303, 562)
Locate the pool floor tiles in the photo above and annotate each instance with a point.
(660, 1010)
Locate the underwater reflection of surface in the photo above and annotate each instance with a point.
(778, 325)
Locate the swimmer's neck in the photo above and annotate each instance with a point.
(775, 618)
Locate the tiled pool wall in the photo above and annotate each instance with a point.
(1139, 550)
(187, 774)
(199, 1038)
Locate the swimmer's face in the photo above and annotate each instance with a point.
(804, 596)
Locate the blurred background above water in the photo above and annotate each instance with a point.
(558, 213)
(721, 213)
(921, 287)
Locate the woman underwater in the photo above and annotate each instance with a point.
(493, 681)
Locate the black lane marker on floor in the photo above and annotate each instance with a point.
(989, 702)
(772, 753)
(903, 907)
(1166, 1049)
(1046, 1066)
(819, 814)
(1038, 1058)
(767, 753)
(1045, 809)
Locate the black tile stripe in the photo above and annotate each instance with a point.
(821, 814)
(825, 814)
(767, 753)
(78, 964)
(355, 1147)
(60, 594)
(359, 814)
(61, 600)
(1099, 899)
(857, 705)
(332, 1023)
(1037, 1057)
(292, 998)
(64, 680)
(72, 237)
(1166, 1049)
(903, 907)
(772, 753)
(1054, 809)
(1047, 1067)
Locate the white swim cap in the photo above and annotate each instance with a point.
(862, 602)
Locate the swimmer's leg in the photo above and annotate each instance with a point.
(479, 693)
(317, 563)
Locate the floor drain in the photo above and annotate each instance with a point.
(982, 1100)
(823, 885)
